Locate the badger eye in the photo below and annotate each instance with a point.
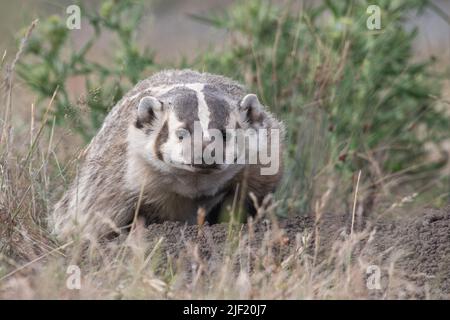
(181, 134)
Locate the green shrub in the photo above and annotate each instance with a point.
(351, 98)
(51, 61)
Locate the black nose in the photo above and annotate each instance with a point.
(206, 166)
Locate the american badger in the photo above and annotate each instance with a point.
(137, 165)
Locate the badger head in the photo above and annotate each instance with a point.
(194, 128)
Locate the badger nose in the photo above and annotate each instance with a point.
(206, 166)
(205, 162)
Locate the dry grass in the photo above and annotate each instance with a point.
(137, 269)
(33, 266)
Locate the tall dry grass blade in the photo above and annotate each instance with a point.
(9, 81)
(138, 206)
(41, 128)
(354, 202)
(34, 261)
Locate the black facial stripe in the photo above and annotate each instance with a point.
(162, 137)
(218, 107)
(185, 104)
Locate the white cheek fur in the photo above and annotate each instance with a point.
(172, 150)
(142, 146)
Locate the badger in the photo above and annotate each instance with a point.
(136, 166)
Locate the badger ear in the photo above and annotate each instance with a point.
(147, 108)
(251, 109)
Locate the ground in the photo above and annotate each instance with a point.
(417, 248)
(301, 257)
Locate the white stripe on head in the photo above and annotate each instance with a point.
(203, 110)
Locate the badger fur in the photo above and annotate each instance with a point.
(129, 169)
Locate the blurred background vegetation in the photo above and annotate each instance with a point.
(353, 100)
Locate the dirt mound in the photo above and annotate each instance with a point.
(418, 247)
(425, 242)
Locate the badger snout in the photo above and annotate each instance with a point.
(206, 166)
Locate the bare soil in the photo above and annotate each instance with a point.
(417, 247)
